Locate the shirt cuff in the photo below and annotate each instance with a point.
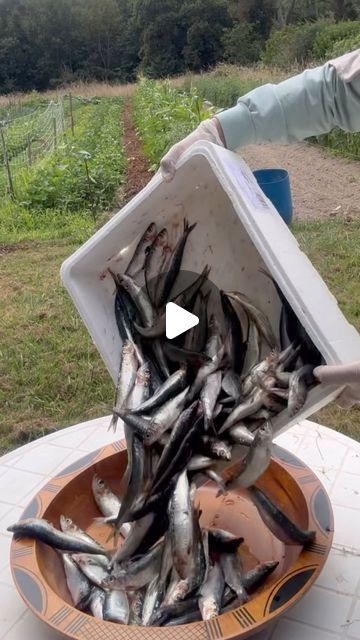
(237, 126)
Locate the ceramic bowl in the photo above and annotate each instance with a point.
(39, 577)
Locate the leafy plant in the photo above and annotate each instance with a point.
(85, 170)
(327, 37)
(342, 143)
(343, 46)
(164, 115)
(293, 44)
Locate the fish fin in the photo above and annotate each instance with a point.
(237, 542)
(118, 412)
(188, 227)
(113, 535)
(221, 492)
(113, 423)
(205, 272)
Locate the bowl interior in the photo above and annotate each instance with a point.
(233, 512)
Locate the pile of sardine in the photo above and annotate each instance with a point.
(187, 405)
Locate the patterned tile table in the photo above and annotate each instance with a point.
(329, 611)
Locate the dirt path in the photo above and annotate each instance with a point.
(137, 174)
(322, 185)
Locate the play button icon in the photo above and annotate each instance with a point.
(178, 320)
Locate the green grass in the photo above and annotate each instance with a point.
(50, 372)
(341, 143)
(223, 86)
(334, 249)
(19, 224)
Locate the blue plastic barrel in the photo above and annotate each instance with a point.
(275, 184)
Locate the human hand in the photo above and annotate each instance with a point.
(342, 374)
(209, 130)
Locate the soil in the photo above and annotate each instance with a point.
(322, 185)
(18, 246)
(137, 174)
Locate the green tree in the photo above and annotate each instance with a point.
(260, 17)
(102, 25)
(128, 43)
(205, 21)
(162, 37)
(242, 45)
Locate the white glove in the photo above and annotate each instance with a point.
(209, 130)
(342, 374)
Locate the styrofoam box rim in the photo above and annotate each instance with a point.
(309, 296)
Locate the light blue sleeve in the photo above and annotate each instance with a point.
(311, 103)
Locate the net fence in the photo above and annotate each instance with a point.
(28, 138)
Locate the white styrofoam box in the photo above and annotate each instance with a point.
(238, 232)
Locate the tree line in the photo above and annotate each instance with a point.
(44, 43)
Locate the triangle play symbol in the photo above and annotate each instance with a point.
(178, 320)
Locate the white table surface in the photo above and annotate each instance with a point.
(329, 611)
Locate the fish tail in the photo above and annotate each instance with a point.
(113, 560)
(221, 492)
(209, 424)
(235, 544)
(188, 227)
(121, 517)
(113, 423)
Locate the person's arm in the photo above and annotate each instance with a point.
(342, 374)
(311, 103)
(308, 104)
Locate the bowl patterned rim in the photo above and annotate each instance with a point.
(240, 622)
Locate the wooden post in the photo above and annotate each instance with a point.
(63, 124)
(55, 134)
(71, 114)
(29, 151)
(7, 164)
